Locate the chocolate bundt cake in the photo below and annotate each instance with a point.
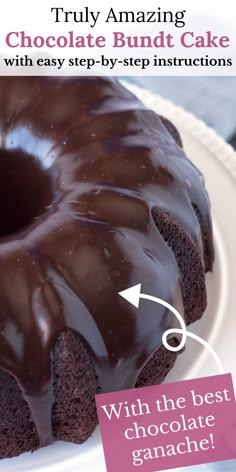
(96, 195)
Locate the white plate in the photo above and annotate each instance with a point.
(217, 161)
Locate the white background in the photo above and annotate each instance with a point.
(36, 19)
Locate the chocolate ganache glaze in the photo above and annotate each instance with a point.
(82, 165)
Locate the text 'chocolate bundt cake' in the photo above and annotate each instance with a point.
(96, 195)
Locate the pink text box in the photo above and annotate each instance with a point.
(169, 425)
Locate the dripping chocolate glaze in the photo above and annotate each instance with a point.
(82, 164)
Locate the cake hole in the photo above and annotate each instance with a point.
(25, 190)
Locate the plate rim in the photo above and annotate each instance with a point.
(215, 143)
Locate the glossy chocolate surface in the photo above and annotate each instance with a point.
(82, 163)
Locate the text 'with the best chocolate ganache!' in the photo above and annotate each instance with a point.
(173, 425)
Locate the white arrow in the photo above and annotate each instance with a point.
(133, 295)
